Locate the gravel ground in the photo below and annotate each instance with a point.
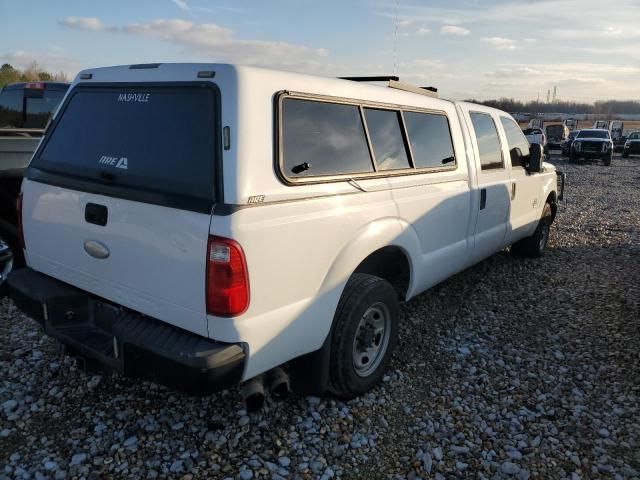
(512, 369)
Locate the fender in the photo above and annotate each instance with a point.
(385, 232)
(310, 371)
(549, 186)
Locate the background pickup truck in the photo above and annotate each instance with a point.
(535, 135)
(25, 109)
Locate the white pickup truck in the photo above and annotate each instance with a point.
(535, 135)
(201, 225)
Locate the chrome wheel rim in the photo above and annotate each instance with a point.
(6, 260)
(371, 339)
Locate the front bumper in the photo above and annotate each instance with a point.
(591, 154)
(124, 341)
(633, 149)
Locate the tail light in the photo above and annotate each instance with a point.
(227, 283)
(35, 86)
(19, 214)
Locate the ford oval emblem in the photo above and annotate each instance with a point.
(96, 249)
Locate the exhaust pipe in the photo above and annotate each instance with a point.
(253, 394)
(279, 383)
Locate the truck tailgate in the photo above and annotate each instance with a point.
(156, 255)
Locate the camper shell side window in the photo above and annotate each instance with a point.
(326, 139)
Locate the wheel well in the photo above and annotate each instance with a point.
(552, 201)
(391, 264)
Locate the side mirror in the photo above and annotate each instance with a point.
(516, 156)
(536, 157)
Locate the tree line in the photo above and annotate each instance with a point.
(33, 73)
(606, 107)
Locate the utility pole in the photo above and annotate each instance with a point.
(548, 95)
(555, 92)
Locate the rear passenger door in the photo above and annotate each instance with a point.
(493, 183)
(525, 190)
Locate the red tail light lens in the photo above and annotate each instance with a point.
(19, 214)
(227, 278)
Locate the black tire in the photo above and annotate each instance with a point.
(607, 160)
(534, 246)
(625, 155)
(363, 294)
(9, 235)
(573, 158)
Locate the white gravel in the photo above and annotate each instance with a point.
(513, 369)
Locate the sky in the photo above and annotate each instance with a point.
(588, 49)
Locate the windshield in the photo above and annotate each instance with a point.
(634, 136)
(555, 130)
(573, 135)
(532, 131)
(158, 139)
(593, 134)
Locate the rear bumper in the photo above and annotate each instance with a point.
(124, 341)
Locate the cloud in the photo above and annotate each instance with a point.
(182, 5)
(454, 30)
(428, 63)
(219, 43)
(501, 43)
(530, 40)
(83, 23)
(423, 31)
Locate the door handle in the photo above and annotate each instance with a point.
(483, 198)
(513, 190)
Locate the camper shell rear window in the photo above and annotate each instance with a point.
(151, 143)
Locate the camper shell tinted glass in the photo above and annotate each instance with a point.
(430, 139)
(322, 139)
(161, 139)
(387, 139)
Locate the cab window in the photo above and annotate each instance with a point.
(515, 140)
(488, 140)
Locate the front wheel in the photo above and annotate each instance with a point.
(625, 155)
(607, 160)
(573, 158)
(364, 335)
(535, 245)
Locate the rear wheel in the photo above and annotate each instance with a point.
(534, 246)
(8, 257)
(364, 335)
